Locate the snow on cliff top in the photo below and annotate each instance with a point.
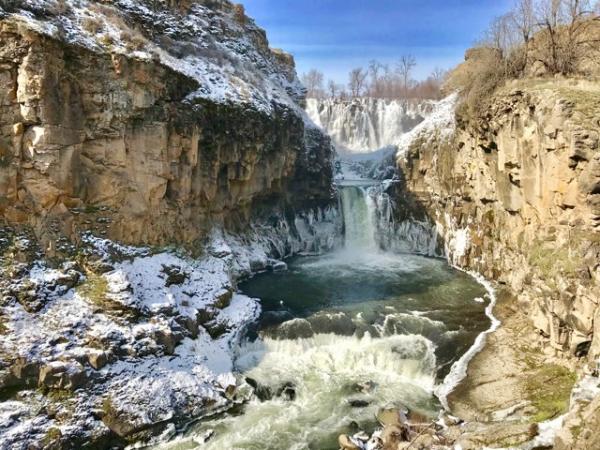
(219, 47)
(439, 123)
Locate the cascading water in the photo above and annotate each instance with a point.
(359, 218)
(344, 334)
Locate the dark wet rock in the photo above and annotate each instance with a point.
(358, 403)
(287, 391)
(337, 323)
(263, 393)
(292, 329)
(174, 275)
(364, 386)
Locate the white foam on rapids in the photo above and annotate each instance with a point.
(322, 368)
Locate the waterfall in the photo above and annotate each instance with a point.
(366, 124)
(370, 224)
(358, 209)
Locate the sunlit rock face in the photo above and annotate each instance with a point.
(140, 113)
(366, 124)
(515, 197)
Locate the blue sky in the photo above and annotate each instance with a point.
(335, 36)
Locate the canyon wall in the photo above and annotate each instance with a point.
(366, 124)
(133, 121)
(517, 196)
(152, 153)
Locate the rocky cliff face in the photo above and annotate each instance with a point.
(167, 123)
(515, 196)
(366, 124)
(148, 121)
(520, 189)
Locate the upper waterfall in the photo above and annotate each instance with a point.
(366, 124)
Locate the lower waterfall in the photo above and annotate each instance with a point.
(358, 209)
(370, 224)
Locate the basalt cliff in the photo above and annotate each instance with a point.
(168, 119)
(515, 196)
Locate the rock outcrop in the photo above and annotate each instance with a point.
(515, 196)
(163, 123)
(149, 122)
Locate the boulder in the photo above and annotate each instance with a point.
(174, 275)
(223, 298)
(168, 340)
(392, 416)
(346, 443)
(393, 435)
(263, 393)
(293, 329)
(337, 323)
(25, 372)
(358, 403)
(287, 391)
(63, 375)
(97, 359)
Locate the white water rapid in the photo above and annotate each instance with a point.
(342, 335)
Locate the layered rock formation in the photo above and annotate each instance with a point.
(169, 119)
(522, 186)
(155, 122)
(515, 196)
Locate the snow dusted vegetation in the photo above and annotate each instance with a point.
(143, 338)
(220, 48)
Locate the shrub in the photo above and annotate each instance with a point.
(91, 25)
(239, 14)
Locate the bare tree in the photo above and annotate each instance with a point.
(356, 81)
(313, 81)
(333, 89)
(439, 75)
(375, 70)
(405, 67)
(524, 18)
(569, 32)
